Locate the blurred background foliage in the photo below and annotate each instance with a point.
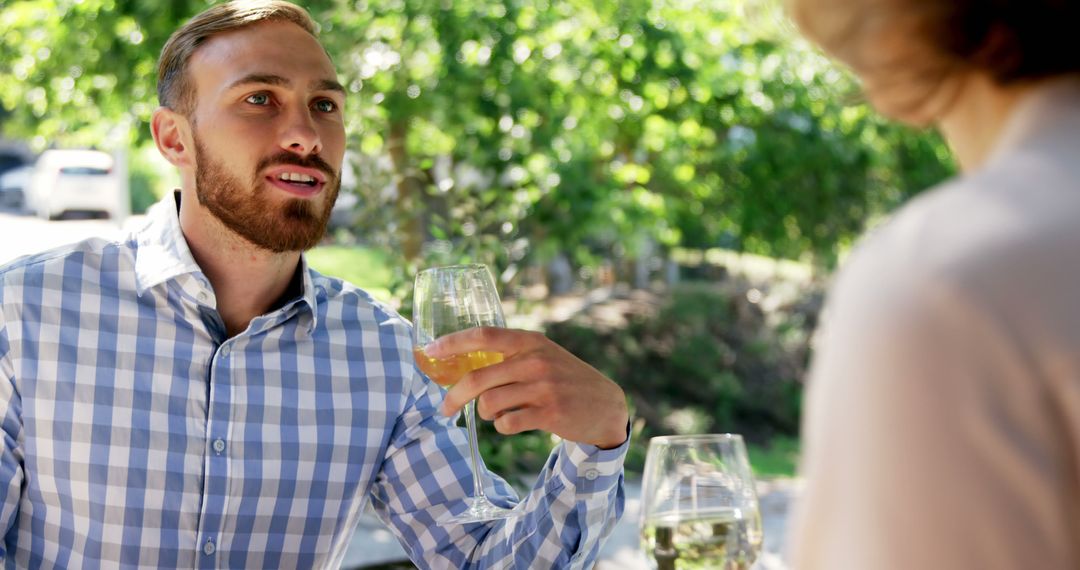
(587, 139)
(518, 130)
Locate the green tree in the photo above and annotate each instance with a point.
(516, 131)
(82, 72)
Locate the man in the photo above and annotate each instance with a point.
(195, 396)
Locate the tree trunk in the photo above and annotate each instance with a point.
(409, 192)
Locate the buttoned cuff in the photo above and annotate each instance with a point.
(588, 469)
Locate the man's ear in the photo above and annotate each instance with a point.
(169, 129)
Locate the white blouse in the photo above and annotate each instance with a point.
(942, 426)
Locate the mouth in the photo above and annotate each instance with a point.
(297, 180)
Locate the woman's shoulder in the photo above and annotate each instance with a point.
(1019, 211)
(1002, 242)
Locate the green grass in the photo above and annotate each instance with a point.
(364, 267)
(777, 459)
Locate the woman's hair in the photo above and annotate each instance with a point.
(175, 89)
(924, 41)
(1010, 39)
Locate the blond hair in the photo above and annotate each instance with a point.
(175, 89)
(1012, 40)
(915, 44)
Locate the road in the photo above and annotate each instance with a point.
(21, 234)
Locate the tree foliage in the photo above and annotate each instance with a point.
(513, 131)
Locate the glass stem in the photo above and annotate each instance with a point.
(474, 452)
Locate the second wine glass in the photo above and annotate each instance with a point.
(446, 300)
(699, 505)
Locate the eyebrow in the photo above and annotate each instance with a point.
(271, 79)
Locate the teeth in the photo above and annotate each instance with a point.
(296, 177)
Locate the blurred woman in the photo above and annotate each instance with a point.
(942, 423)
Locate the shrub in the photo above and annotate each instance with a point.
(706, 359)
(700, 358)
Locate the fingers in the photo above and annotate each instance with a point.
(497, 402)
(479, 381)
(468, 388)
(510, 412)
(538, 385)
(517, 421)
(507, 341)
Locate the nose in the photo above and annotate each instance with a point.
(300, 135)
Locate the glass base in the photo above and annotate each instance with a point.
(480, 510)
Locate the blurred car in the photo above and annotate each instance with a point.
(14, 184)
(66, 182)
(344, 213)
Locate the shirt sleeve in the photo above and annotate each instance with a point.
(11, 470)
(573, 506)
(930, 439)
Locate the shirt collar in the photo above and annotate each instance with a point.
(163, 254)
(307, 296)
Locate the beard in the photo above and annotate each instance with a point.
(249, 211)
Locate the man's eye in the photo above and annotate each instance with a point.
(258, 99)
(325, 106)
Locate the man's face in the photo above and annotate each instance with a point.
(268, 134)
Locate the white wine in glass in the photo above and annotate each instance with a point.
(446, 300)
(699, 506)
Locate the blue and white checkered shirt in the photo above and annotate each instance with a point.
(135, 433)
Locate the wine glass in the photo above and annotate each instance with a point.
(450, 299)
(699, 506)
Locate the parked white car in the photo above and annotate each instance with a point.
(78, 182)
(14, 185)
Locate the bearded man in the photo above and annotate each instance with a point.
(195, 396)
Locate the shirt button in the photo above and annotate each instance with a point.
(219, 445)
(209, 547)
(202, 296)
(592, 474)
(225, 351)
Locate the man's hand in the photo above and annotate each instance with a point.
(539, 385)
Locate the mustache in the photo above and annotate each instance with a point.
(311, 161)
